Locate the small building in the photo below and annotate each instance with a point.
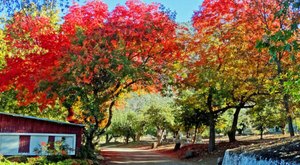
(26, 135)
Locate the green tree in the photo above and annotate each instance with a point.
(142, 113)
(189, 114)
(123, 124)
(159, 113)
(266, 114)
(281, 42)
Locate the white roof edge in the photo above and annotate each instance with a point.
(41, 119)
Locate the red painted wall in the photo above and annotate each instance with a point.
(14, 124)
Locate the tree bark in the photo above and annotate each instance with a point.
(127, 139)
(89, 142)
(261, 132)
(110, 114)
(195, 134)
(134, 138)
(89, 145)
(89, 135)
(138, 137)
(285, 98)
(282, 130)
(289, 117)
(212, 133)
(107, 138)
(231, 133)
(159, 133)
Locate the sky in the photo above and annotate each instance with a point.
(183, 8)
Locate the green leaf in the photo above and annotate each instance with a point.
(293, 57)
(260, 45)
(287, 47)
(273, 51)
(295, 45)
(279, 13)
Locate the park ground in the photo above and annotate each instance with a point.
(141, 153)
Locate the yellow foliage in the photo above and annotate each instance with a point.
(3, 49)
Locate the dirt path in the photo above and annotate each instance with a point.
(138, 156)
(130, 154)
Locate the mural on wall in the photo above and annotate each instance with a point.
(37, 144)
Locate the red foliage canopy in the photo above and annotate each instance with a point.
(132, 42)
(36, 48)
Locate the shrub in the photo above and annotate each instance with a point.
(42, 160)
(18, 159)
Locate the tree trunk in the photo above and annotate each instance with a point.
(289, 117)
(285, 98)
(231, 133)
(195, 134)
(159, 133)
(108, 138)
(138, 137)
(127, 139)
(165, 136)
(89, 146)
(134, 138)
(261, 132)
(177, 146)
(283, 131)
(89, 135)
(89, 143)
(212, 133)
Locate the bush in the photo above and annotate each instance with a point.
(56, 158)
(4, 161)
(37, 160)
(18, 159)
(43, 160)
(40, 160)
